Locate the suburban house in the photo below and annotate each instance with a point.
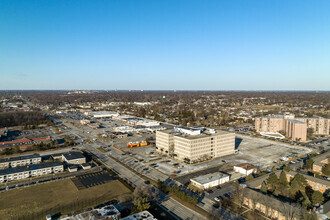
(245, 168)
(210, 180)
(74, 157)
(20, 161)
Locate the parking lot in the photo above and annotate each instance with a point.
(91, 179)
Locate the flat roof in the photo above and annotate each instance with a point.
(73, 155)
(144, 215)
(29, 168)
(24, 157)
(295, 121)
(204, 134)
(209, 177)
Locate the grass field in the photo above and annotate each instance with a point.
(56, 196)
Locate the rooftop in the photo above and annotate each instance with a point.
(295, 121)
(24, 157)
(209, 177)
(145, 215)
(245, 166)
(29, 168)
(73, 155)
(204, 133)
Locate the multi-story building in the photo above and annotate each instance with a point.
(194, 144)
(18, 173)
(20, 161)
(295, 128)
(320, 161)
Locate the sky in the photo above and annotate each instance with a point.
(165, 45)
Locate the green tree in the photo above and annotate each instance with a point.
(317, 197)
(294, 184)
(286, 168)
(310, 132)
(275, 193)
(249, 177)
(326, 170)
(309, 163)
(283, 180)
(263, 187)
(301, 180)
(272, 181)
(17, 150)
(8, 151)
(306, 202)
(140, 204)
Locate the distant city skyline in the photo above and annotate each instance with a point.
(164, 45)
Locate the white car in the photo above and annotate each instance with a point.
(217, 199)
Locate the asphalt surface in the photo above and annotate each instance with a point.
(181, 211)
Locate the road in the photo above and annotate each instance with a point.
(170, 204)
(181, 211)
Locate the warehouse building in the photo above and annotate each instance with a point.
(210, 180)
(18, 173)
(192, 145)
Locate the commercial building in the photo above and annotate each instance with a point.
(245, 168)
(145, 215)
(20, 161)
(109, 212)
(194, 144)
(18, 173)
(209, 180)
(104, 114)
(24, 143)
(74, 157)
(294, 128)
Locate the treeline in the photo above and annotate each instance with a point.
(58, 98)
(21, 118)
(175, 190)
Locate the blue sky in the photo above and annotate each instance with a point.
(156, 45)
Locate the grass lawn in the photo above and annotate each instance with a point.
(48, 196)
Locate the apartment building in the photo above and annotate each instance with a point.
(20, 161)
(194, 144)
(269, 205)
(295, 128)
(320, 161)
(315, 183)
(18, 173)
